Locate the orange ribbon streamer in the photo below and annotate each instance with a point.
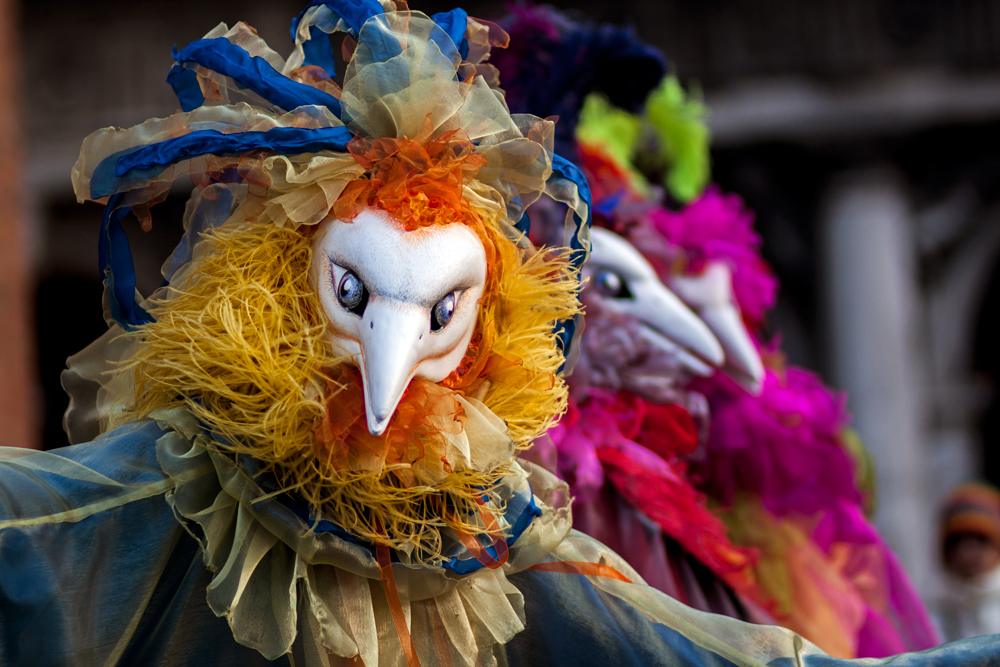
(581, 567)
(441, 640)
(395, 606)
(496, 535)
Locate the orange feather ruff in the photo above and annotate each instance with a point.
(419, 182)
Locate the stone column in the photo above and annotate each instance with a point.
(18, 395)
(873, 331)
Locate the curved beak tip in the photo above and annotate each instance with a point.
(377, 425)
(389, 358)
(747, 364)
(711, 350)
(752, 383)
(669, 317)
(756, 376)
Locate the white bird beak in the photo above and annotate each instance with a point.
(390, 341)
(667, 316)
(711, 296)
(743, 362)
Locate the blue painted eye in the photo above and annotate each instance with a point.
(442, 312)
(352, 294)
(612, 285)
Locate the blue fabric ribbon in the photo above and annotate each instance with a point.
(527, 513)
(450, 40)
(253, 72)
(318, 50)
(145, 162)
(561, 167)
(114, 259)
(354, 13)
(114, 254)
(454, 23)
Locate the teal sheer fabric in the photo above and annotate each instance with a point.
(94, 567)
(97, 569)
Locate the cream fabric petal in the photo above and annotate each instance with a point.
(220, 90)
(490, 443)
(289, 171)
(451, 611)
(458, 454)
(396, 97)
(547, 531)
(306, 205)
(247, 38)
(483, 445)
(94, 387)
(319, 16)
(358, 615)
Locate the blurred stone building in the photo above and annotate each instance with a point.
(865, 133)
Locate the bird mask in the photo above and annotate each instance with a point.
(354, 303)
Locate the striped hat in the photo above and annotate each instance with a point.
(972, 508)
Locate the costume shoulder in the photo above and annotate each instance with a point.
(94, 568)
(72, 484)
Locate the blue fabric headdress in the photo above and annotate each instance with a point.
(274, 132)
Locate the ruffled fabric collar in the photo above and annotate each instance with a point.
(279, 578)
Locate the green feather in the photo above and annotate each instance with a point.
(679, 122)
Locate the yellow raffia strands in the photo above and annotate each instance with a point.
(534, 294)
(241, 345)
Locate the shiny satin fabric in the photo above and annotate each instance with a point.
(96, 569)
(87, 579)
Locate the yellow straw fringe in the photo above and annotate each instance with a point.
(241, 345)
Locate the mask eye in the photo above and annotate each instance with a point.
(442, 312)
(612, 285)
(352, 294)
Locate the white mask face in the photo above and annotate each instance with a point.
(403, 303)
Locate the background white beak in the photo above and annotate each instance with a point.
(662, 312)
(711, 296)
(743, 362)
(668, 324)
(390, 342)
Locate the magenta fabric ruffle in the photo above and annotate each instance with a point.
(783, 446)
(719, 226)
